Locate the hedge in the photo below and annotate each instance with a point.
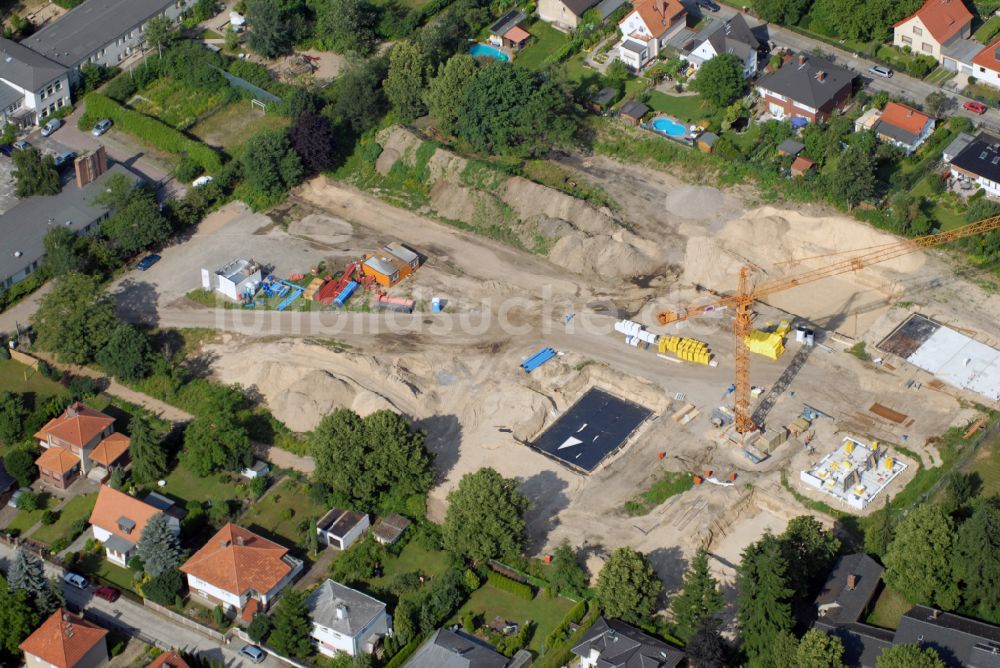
(575, 614)
(504, 583)
(150, 130)
(402, 655)
(559, 655)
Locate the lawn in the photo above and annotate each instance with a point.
(229, 126)
(17, 377)
(281, 511)
(412, 559)
(185, 485)
(25, 520)
(545, 40)
(94, 564)
(79, 507)
(987, 465)
(942, 210)
(670, 483)
(687, 108)
(988, 30)
(983, 92)
(889, 609)
(175, 104)
(488, 602)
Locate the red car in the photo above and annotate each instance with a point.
(109, 594)
(975, 107)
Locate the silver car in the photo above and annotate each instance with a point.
(102, 126)
(254, 653)
(51, 126)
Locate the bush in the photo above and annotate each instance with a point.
(49, 517)
(504, 583)
(218, 616)
(78, 527)
(48, 371)
(28, 502)
(259, 628)
(469, 622)
(187, 170)
(165, 587)
(258, 486)
(4, 352)
(472, 579)
(83, 386)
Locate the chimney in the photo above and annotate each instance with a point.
(341, 611)
(802, 59)
(935, 614)
(821, 76)
(89, 167)
(224, 542)
(73, 410)
(852, 581)
(241, 541)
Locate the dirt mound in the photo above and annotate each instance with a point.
(528, 199)
(602, 255)
(445, 165)
(457, 202)
(396, 145)
(325, 229)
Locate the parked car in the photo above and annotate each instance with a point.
(109, 594)
(64, 159)
(15, 497)
(76, 580)
(202, 180)
(147, 262)
(710, 5)
(21, 145)
(256, 654)
(6, 149)
(880, 71)
(975, 107)
(51, 126)
(102, 126)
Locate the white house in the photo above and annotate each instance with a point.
(31, 85)
(897, 124)
(611, 643)
(339, 528)
(934, 27)
(234, 280)
(979, 164)
(986, 64)
(118, 520)
(647, 28)
(240, 571)
(346, 620)
(734, 37)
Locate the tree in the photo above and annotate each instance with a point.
(75, 319)
(878, 534)
(909, 656)
(270, 166)
(347, 26)
(919, 563)
(764, 599)
(12, 414)
(126, 354)
(510, 110)
(485, 518)
(853, 177)
(699, 598)
(720, 80)
(291, 616)
(371, 462)
(628, 587)
(567, 577)
(158, 546)
(360, 99)
(937, 102)
(215, 442)
(165, 587)
(231, 39)
(311, 136)
(149, 458)
(63, 252)
(863, 20)
(20, 463)
(978, 561)
(407, 79)
(962, 488)
(706, 648)
(205, 9)
(809, 551)
(137, 222)
(783, 12)
(446, 92)
(117, 479)
(817, 649)
(270, 31)
(35, 174)
(159, 33)
(259, 628)
(17, 621)
(27, 572)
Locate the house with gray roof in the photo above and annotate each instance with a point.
(455, 649)
(847, 596)
(23, 228)
(611, 643)
(566, 14)
(959, 641)
(806, 87)
(732, 36)
(31, 85)
(346, 620)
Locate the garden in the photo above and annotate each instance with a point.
(545, 41)
(488, 603)
(286, 513)
(177, 104)
(232, 124)
(687, 108)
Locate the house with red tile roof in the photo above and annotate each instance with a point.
(986, 64)
(897, 124)
(169, 659)
(240, 571)
(934, 27)
(647, 29)
(118, 520)
(78, 442)
(65, 641)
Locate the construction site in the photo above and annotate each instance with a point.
(772, 353)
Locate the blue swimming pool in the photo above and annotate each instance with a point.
(668, 126)
(487, 51)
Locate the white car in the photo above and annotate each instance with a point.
(202, 181)
(76, 580)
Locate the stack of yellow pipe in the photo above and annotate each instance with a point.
(689, 350)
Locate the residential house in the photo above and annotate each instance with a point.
(455, 649)
(240, 571)
(986, 64)
(169, 659)
(65, 641)
(389, 528)
(31, 85)
(961, 642)
(340, 528)
(806, 88)
(978, 164)
(102, 32)
(647, 29)
(346, 620)
(118, 520)
(25, 225)
(611, 643)
(81, 441)
(566, 14)
(732, 36)
(932, 28)
(898, 125)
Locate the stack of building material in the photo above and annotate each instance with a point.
(799, 426)
(393, 304)
(772, 438)
(313, 287)
(690, 350)
(770, 345)
(683, 412)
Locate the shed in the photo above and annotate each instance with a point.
(234, 280)
(706, 142)
(603, 99)
(340, 528)
(802, 166)
(633, 111)
(790, 147)
(957, 146)
(259, 469)
(389, 528)
(395, 263)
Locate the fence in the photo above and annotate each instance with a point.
(25, 359)
(186, 621)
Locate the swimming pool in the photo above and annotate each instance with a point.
(668, 126)
(487, 51)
